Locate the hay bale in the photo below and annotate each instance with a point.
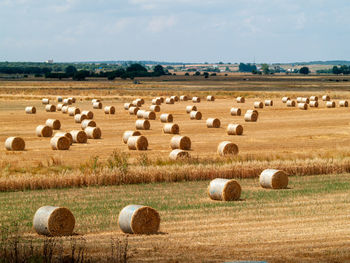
(50, 108)
(156, 101)
(59, 106)
(299, 99)
(240, 100)
(137, 143)
(175, 98)
(95, 100)
(72, 99)
(66, 134)
(149, 115)
(302, 106)
(142, 125)
(236, 111)
(79, 136)
(93, 132)
(196, 99)
(258, 105)
(139, 219)
(133, 110)
(314, 103)
(137, 103)
(87, 123)
(180, 142)
(169, 101)
(45, 101)
(183, 98)
(290, 103)
(67, 101)
(109, 110)
(141, 100)
(140, 113)
(195, 115)
(127, 106)
(343, 103)
(326, 98)
(60, 143)
(268, 102)
(30, 110)
(127, 134)
(59, 99)
(64, 109)
(210, 98)
(154, 108)
(161, 99)
(72, 111)
(89, 114)
(53, 221)
(275, 179)
(255, 111)
(53, 123)
(78, 118)
(171, 128)
(190, 108)
(224, 190)
(227, 148)
(97, 105)
(313, 98)
(44, 131)
(166, 117)
(179, 154)
(285, 99)
(330, 104)
(234, 129)
(251, 116)
(305, 100)
(14, 144)
(213, 123)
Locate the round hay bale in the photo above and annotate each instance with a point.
(285, 99)
(224, 190)
(133, 110)
(66, 134)
(53, 123)
(326, 98)
(79, 136)
(343, 103)
(171, 128)
(30, 110)
(195, 115)
(72, 111)
(251, 116)
(64, 109)
(14, 144)
(89, 114)
(149, 115)
(45, 101)
(190, 108)
(330, 104)
(142, 125)
(236, 112)
(59, 99)
(95, 100)
(97, 105)
(268, 102)
(72, 99)
(213, 123)
(67, 101)
(141, 100)
(175, 98)
(290, 103)
(60, 106)
(302, 106)
(109, 110)
(156, 101)
(50, 108)
(227, 148)
(169, 101)
(166, 117)
(137, 103)
(78, 118)
(178, 154)
(314, 103)
(234, 129)
(140, 113)
(127, 106)
(60, 143)
(299, 99)
(240, 100)
(44, 131)
(305, 100)
(258, 105)
(275, 179)
(127, 134)
(139, 219)
(154, 108)
(210, 98)
(161, 99)
(93, 132)
(87, 123)
(180, 142)
(183, 98)
(137, 143)
(196, 99)
(54, 221)
(255, 111)
(313, 98)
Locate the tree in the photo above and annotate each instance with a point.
(159, 70)
(304, 70)
(206, 74)
(70, 71)
(197, 73)
(136, 68)
(187, 74)
(265, 68)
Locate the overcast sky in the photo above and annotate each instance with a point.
(175, 30)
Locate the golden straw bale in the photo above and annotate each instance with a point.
(169, 101)
(314, 103)
(330, 104)
(175, 98)
(50, 108)
(53, 123)
(142, 125)
(97, 105)
(326, 98)
(305, 100)
(240, 99)
(45, 101)
(183, 98)
(196, 99)
(89, 114)
(109, 110)
(210, 98)
(72, 99)
(156, 101)
(179, 154)
(258, 105)
(64, 109)
(299, 99)
(67, 101)
(93, 132)
(137, 103)
(78, 118)
(66, 134)
(227, 148)
(137, 143)
(171, 128)
(79, 136)
(95, 100)
(234, 129)
(224, 189)
(302, 106)
(149, 115)
(14, 144)
(127, 134)
(140, 113)
(72, 111)
(60, 143)
(290, 103)
(268, 102)
(251, 116)
(195, 115)
(87, 123)
(166, 117)
(44, 131)
(133, 110)
(59, 106)
(154, 108)
(313, 98)
(127, 106)
(30, 110)
(275, 179)
(236, 112)
(180, 142)
(343, 103)
(285, 99)
(161, 99)
(190, 108)
(213, 123)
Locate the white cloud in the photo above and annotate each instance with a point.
(161, 23)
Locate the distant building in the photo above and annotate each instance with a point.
(49, 61)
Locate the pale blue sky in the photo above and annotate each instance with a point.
(175, 30)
